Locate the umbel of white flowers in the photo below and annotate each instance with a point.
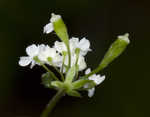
(68, 58)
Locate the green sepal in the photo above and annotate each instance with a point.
(70, 74)
(46, 80)
(80, 83)
(73, 93)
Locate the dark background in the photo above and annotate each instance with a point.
(126, 90)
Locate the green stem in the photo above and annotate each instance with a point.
(53, 75)
(44, 66)
(69, 54)
(51, 63)
(61, 74)
(52, 103)
(77, 58)
(62, 69)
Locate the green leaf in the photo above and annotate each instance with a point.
(80, 83)
(46, 80)
(70, 75)
(73, 93)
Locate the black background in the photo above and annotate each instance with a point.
(124, 93)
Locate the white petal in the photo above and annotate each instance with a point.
(91, 92)
(33, 63)
(74, 40)
(100, 79)
(73, 43)
(32, 50)
(45, 51)
(86, 86)
(97, 79)
(84, 45)
(48, 28)
(88, 71)
(81, 63)
(41, 47)
(24, 61)
(57, 60)
(60, 46)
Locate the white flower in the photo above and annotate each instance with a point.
(49, 27)
(45, 52)
(97, 80)
(83, 45)
(60, 46)
(74, 43)
(81, 63)
(31, 51)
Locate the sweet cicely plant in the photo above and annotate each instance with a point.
(67, 57)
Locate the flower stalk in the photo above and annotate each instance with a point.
(45, 67)
(52, 103)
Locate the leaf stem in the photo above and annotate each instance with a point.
(52, 103)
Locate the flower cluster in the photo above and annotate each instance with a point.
(44, 53)
(68, 58)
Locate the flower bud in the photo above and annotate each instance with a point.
(60, 28)
(115, 50)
